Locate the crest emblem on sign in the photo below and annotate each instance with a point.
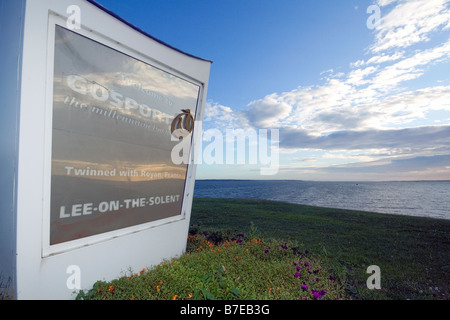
(183, 124)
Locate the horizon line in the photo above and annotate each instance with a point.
(308, 180)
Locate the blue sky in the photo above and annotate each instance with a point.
(351, 101)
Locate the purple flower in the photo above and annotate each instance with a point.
(316, 294)
(304, 287)
(332, 278)
(284, 246)
(307, 263)
(297, 275)
(306, 251)
(299, 268)
(240, 235)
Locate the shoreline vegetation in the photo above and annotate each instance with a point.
(241, 249)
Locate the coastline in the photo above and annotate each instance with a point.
(411, 198)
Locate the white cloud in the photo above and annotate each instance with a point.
(378, 59)
(215, 110)
(410, 22)
(410, 68)
(358, 77)
(268, 112)
(383, 3)
(221, 117)
(431, 167)
(385, 58)
(357, 64)
(368, 110)
(410, 141)
(365, 98)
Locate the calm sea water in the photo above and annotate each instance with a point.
(421, 198)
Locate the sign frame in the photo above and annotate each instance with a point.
(35, 269)
(47, 248)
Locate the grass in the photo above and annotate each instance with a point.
(241, 269)
(252, 249)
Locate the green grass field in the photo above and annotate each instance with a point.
(253, 249)
(413, 253)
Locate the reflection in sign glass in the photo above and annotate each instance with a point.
(111, 139)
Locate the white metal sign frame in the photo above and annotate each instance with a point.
(42, 269)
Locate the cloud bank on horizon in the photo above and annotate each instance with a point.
(380, 119)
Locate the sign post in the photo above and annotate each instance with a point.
(101, 107)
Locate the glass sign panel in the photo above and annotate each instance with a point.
(111, 140)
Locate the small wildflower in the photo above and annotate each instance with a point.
(306, 251)
(304, 287)
(332, 278)
(307, 263)
(318, 294)
(111, 288)
(175, 297)
(297, 275)
(142, 271)
(298, 268)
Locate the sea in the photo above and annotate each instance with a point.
(412, 198)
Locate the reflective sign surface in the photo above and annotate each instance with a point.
(111, 140)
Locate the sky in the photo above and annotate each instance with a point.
(348, 90)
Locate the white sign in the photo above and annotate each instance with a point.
(90, 188)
